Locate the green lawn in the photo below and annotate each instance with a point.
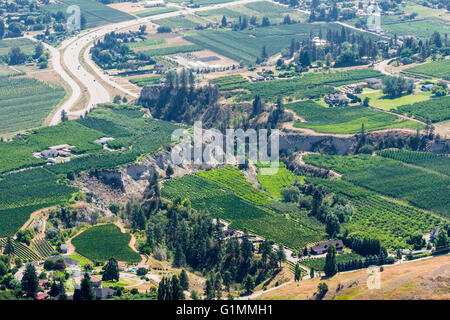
(379, 100)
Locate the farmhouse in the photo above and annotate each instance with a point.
(96, 281)
(123, 266)
(64, 248)
(256, 78)
(336, 99)
(374, 83)
(104, 293)
(426, 87)
(434, 234)
(322, 247)
(155, 3)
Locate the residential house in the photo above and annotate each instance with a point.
(434, 233)
(123, 266)
(104, 293)
(64, 248)
(426, 87)
(374, 83)
(322, 247)
(96, 281)
(336, 99)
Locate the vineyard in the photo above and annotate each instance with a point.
(436, 162)
(43, 247)
(145, 81)
(97, 14)
(172, 50)
(243, 215)
(319, 263)
(26, 102)
(435, 69)
(424, 189)
(24, 192)
(21, 251)
(309, 85)
(230, 82)
(346, 119)
(246, 45)
(274, 183)
(389, 221)
(436, 109)
(234, 180)
(103, 242)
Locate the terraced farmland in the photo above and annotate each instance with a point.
(346, 119)
(102, 242)
(243, 215)
(26, 102)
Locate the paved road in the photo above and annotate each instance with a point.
(73, 49)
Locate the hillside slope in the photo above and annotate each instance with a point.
(424, 279)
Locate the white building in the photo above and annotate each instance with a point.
(155, 3)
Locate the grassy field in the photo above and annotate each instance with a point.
(423, 188)
(102, 242)
(379, 100)
(26, 102)
(243, 214)
(345, 119)
(96, 13)
(418, 280)
(435, 69)
(436, 109)
(26, 45)
(146, 43)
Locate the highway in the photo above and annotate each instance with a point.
(76, 49)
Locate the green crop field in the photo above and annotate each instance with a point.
(436, 162)
(319, 263)
(150, 42)
(127, 124)
(423, 188)
(420, 28)
(43, 247)
(435, 69)
(183, 22)
(223, 203)
(25, 102)
(154, 11)
(245, 46)
(24, 192)
(21, 251)
(172, 50)
(233, 179)
(346, 119)
(274, 183)
(437, 109)
(377, 217)
(96, 13)
(259, 9)
(25, 45)
(102, 242)
(309, 85)
(145, 81)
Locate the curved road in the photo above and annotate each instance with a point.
(71, 59)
